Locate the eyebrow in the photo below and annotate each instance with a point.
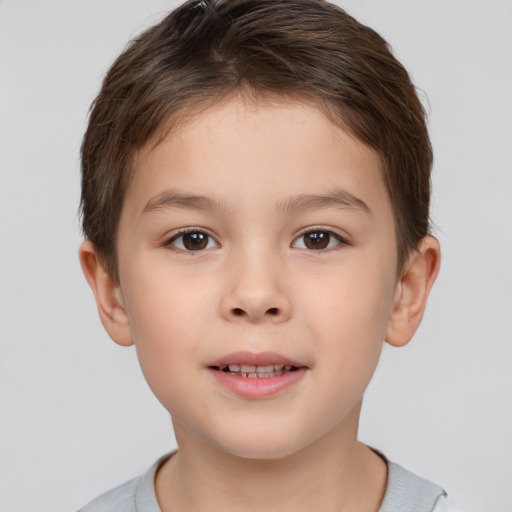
(338, 198)
(170, 199)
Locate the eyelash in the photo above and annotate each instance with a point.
(171, 242)
(330, 234)
(180, 234)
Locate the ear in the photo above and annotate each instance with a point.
(108, 295)
(412, 291)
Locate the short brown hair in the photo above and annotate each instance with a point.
(303, 49)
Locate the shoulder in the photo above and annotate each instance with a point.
(407, 492)
(444, 504)
(136, 495)
(121, 498)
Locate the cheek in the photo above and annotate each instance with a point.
(347, 318)
(163, 302)
(167, 316)
(353, 304)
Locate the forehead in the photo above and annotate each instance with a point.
(271, 143)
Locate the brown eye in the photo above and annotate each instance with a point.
(192, 241)
(195, 241)
(317, 239)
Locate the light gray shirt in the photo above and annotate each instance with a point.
(405, 492)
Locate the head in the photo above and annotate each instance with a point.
(255, 192)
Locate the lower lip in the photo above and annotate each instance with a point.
(247, 387)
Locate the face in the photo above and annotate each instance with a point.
(257, 268)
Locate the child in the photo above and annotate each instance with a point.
(255, 197)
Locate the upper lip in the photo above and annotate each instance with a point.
(256, 359)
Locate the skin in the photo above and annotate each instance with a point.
(258, 286)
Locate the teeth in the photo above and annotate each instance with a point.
(266, 375)
(265, 369)
(256, 372)
(257, 375)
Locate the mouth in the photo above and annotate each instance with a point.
(251, 371)
(257, 376)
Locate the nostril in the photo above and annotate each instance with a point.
(240, 312)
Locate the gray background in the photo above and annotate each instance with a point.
(77, 416)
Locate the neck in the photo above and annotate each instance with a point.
(337, 473)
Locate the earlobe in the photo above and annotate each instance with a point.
(108, 295)
(412, 290)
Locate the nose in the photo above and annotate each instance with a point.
(254, 293)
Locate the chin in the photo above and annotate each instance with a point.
(254, 451)
(271, 444)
